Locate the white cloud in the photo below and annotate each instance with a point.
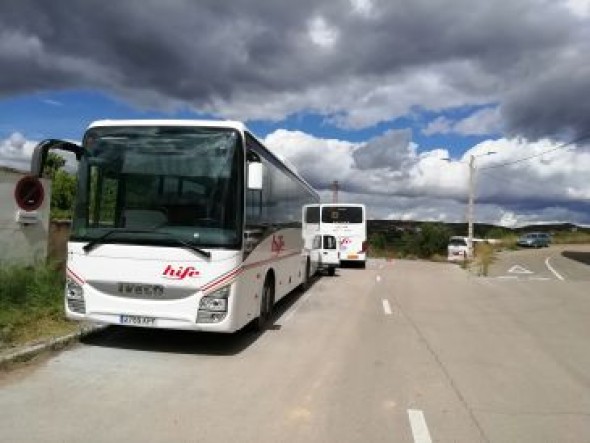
(440, 125)
(398, 182)
(16, 152)
(364, 8)
(321, 33)
(304, 151)
(482, 122)
(581, 8)
(51, 102)
(359, 102)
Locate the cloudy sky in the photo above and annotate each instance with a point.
(389, 97)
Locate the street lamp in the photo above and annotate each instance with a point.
(471, 198)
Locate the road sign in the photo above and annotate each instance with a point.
(29, 193)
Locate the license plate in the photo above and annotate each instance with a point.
(137, 320)
(353, 257)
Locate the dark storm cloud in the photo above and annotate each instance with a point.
(391, 150)
(206, 53)
(556, 103)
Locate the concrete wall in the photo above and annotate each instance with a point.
(19, 243)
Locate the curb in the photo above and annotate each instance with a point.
(29, 352)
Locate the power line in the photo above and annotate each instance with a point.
(539, 154)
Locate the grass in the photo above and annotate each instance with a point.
(31, 304)
(569, 238)
(484, 257)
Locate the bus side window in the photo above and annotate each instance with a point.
(312, 214)
(317, 242)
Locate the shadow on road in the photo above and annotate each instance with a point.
(352, 265)
(188, 342)
(579, 256)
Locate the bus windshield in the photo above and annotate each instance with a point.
(145, 181)
(342, 214)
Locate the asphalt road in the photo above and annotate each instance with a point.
(399, 352)
(561, 262)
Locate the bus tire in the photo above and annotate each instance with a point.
(267, 301)
(363, 264)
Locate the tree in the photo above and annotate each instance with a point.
(63, 187)
(53, 164)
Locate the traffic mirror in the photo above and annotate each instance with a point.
(29, 193)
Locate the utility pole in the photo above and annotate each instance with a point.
(335, 186)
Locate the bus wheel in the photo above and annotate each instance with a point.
(267, 302)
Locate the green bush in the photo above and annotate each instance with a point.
(377, 241)
(431, 240)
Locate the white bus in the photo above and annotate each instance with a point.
(181, 224)
(345, 221)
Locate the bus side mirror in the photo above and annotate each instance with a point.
(42, 149)
(255, 175)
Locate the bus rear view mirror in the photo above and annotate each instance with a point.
(42, 149)
(255, 173)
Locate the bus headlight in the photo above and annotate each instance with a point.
(75, 297)
(213, 307)
(213, 304)
(73, 290)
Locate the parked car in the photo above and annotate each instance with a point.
(325, 253)
(458, 249)
(534, 240)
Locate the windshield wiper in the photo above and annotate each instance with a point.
(99, 240)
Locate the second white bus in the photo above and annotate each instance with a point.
(345, 221)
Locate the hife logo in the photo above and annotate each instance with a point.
(345, 242)
(278, 244)
(180, 273)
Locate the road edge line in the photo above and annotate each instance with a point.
(552, 269)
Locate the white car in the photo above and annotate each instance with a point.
(458, 249)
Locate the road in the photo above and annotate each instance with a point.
(400, 352)
(562, 262)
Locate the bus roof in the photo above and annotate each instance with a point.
(230, 124)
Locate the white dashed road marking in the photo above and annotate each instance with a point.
(419, 427)
(386, 307)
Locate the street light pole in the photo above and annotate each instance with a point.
(471, 198)
(470, 204)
